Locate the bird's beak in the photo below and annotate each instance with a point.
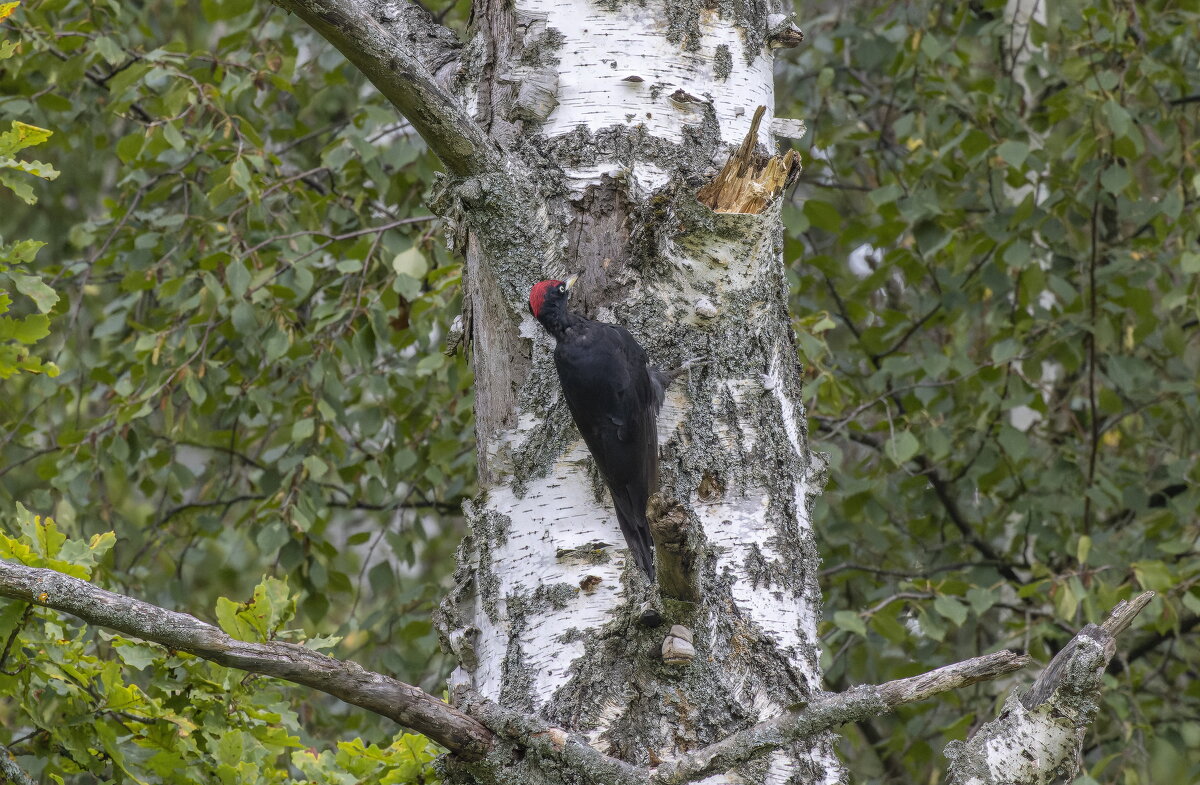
(571, 281)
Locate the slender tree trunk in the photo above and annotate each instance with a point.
(620, 114)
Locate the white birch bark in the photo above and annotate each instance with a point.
(650, 99)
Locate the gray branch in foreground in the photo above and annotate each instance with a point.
(394, 66)
(550, 743)
(1037, 738)
(10, 771)
(830, 709)
(404, 703)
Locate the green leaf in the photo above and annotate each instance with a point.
(886, 625)
(109, 50)
(232, 620)
(244, 318)
(1005, 350)
(29, 330)
(174, 137)
(1066, 600)
(1153, 575)
(41, 532)
(411, 263)
(823, 215)
(20, 136)
(315, 466)
(1013, 152)
(1083, 549)
(32, 287)
(885, 195)
(195, 391)
(129, 147)
(1014, 442)
(981, 599)
(430, 363)
(1115, 179)
(238, 278)
(851, 622)
(18, 186)
(1117, 117)
(902, 447)
(303, 429)
(931, 625)
(135, 655)
(951, 608)
(274, 604)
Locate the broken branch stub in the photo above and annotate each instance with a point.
(749, 181)
(1038, 736)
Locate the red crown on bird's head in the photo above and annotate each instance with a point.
(541, 290)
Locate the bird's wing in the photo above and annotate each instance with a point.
(607, 386)
(646, 397)
(614, 405)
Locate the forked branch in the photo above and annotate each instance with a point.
(1070, 680)
(1037, 738)
(828, 710)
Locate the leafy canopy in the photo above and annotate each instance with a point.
(994, 257)
(250, 321)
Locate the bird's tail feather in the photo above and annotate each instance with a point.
(636, 529)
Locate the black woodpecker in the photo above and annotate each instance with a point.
(614, 395)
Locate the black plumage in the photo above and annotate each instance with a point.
(614, 396)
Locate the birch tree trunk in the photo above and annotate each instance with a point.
(645, 103)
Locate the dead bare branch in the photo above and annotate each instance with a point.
(1037, 738)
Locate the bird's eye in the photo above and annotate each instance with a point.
(563, 288)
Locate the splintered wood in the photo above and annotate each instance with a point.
(749, 181)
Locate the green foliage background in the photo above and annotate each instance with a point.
(1007, 382)
(253, 306)
(253, 311)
